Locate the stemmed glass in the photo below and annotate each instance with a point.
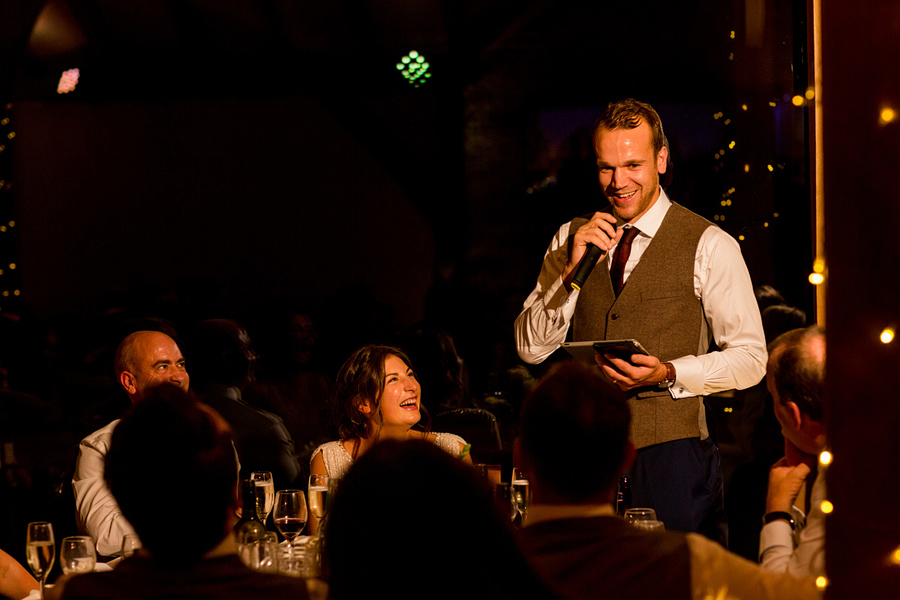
(521, 494)
(639, 514)
(77, 554)
(40, 550)
(265, 494)
(131, 543)
(318, 499)
(290, 515)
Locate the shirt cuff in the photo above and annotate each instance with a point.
(688, 377)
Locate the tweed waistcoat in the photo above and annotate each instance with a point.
(658, 308)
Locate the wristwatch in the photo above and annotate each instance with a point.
(776, 515)
(670, 377)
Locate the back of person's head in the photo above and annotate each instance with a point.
(410, 520)
(173, 452)
(574, 433)
(767, 296)
(780, 318)
(221, 352)
(797, 368)
(361, 379)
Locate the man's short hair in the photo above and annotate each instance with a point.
(629, 114)
(797, 366)
(172, 459)
(575, 431)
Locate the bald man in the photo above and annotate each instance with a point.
(144, 360)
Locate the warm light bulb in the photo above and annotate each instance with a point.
(887, 336)
(810, 93)
(821, 582)
(825, 458)
(887, 115)
(819, 265)
(895, 556)
(827, 507)
(798, 100)
(816, 278)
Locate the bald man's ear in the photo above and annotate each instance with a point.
(127, 381)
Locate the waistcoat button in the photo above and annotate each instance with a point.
(614, 316)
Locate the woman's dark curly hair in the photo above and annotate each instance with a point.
(361, 379)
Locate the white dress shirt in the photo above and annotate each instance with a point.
(801, 552)
(96, 510)
(721, 282)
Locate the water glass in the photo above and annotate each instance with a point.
(77, 554)
(639, 514)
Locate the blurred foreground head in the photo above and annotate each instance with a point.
(172, 468)
(409, 520)
(574, 441)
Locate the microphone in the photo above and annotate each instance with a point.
(587, 264)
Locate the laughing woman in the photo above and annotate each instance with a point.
(380, 399)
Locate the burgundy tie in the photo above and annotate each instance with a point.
(623, 251)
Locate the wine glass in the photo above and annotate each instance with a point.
(639, 514)
(290, 515)
(40, 549)
(649, 525)
(265, 494)
(318, 499)
(521, 493)
(131, 543)
(77, 554)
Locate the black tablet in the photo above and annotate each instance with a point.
(620, 348)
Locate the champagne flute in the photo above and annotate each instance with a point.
(40, 550)
(318, 499)
(265, 494)
(521, 493)
(77, 554)
(290, 515)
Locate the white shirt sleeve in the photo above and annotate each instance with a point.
(722, 282)
(544, 321)
(96, 509)
(781, 551)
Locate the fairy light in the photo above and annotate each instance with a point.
(414, 68)
(887, 335)
(816, 278)
(895, 556)
(827, 507)
(821, 582)
(886, 115)
(798, 100)
(825, 458)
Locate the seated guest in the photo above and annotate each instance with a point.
(411, 521)
(144, 360)
(380, 399)
(15, 581)
(181, 499)
(792, 541)
(573, 447)
(222, 366)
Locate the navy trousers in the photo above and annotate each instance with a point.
(682, 480)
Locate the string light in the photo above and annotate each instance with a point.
(895, 556)
(886, 115)
(798, 100)
(821, 582)
(887, 336)
(816, 278)
(827, 507)
(825, 458)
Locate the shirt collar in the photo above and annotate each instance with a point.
(651, 220)
(538, 513)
